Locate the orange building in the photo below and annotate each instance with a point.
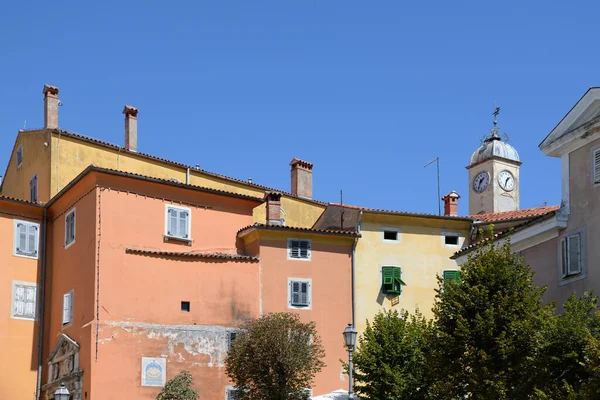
(146, 277)
(20, 254)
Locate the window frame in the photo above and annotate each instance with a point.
(595, 168)
(12, 300)
(457, 271)
(33, 178)
(453, 234)
(229, 340)
(391, 229)
(16, 222)
(189, 306)
(566, 279)
(381, 283)
(73, 212)
(308, 297)
(19, 150)
(289, 249)
(229, 389)
(71, 294)
(189, 223)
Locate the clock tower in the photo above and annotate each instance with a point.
(494, 175)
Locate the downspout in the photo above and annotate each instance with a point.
(353, 271)
(41, 310)
(187, 176)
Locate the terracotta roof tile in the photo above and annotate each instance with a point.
(404, 213)
(19, 201)
(512, 215)
(293, 228)
(193, 254)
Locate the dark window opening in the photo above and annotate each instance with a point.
(185, 306)
(451, 240)
(390, 235)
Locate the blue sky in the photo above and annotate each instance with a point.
(367, 91)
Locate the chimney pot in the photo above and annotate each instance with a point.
(273, 208)
(451, 204)
(301, 178)
(51, 104)
(130, 127)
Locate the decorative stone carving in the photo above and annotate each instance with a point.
(63, 367)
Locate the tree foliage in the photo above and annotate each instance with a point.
(390, 357)
(180, 387)
(275, 357)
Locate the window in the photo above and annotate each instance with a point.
(299, 249)
(23, 300)
(232, 394)
(185, 306)
(19, 156)
(232, 336)
(70, 223)
(391, 280)
(451, 239)
(390, 235)
(451, 276)
(178, 222)
(596, 160)
(299, 293)
(26, 238)
(67, 308)
(571, 255)
(33, 189)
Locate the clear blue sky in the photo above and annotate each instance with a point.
(369, 91)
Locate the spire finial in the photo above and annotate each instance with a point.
(495, 113)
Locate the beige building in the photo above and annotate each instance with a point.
(559, 245)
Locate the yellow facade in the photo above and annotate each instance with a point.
(420, 252)
(59, 158)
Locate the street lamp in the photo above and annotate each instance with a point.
(62, 393)
(350, 340)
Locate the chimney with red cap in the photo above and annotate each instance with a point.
(51, 104)
(451, 204)
(301, 178)
(130, 127)
(273, 208)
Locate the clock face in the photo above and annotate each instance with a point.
(506, 180)
(481, 181)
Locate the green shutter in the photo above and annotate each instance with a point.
(392, 280)
(451, 276)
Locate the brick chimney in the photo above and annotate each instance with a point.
(273, 208)
(51, 104)
(301, 178)
(451, 204)
(130, 127)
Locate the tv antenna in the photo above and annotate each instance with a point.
(437, 161)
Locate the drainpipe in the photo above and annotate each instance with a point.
(187, 176)
(42, 304)
(353, 274)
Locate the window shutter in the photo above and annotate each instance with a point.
(294, 249)
(183, 224)
(171, 221)
(388, 275)
(451, 276)
(295, 292)
(565, 257)
(32, 244)
(30, 302)
(67, 308)
(574, 246)
(22, 239)
(304, 293)
(597, 166)
(19, 301)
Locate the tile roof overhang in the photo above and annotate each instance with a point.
(192, 254)
(516, 215)
(257, 226)
(25, 202)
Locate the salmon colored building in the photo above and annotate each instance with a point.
(147, 277)
(20, 224)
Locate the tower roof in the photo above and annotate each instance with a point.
(493, 147)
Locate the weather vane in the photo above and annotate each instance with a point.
(495, 113)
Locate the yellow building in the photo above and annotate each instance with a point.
(44, 161)
(398, 257)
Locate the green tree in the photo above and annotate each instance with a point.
(179, 388)
(275, 357)
(489, 330)
(390, 358)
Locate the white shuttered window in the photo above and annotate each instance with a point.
(23, 300)
(26, 239)
(178, 222)
(299, 249)
(67, 308)
(596, 160)
(571, 255)
(299, 293)
(70, 225)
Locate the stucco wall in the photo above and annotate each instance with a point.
(330, 272)
(421, 253)
(18, 338)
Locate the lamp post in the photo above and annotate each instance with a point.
(350, 340)
(62, 393)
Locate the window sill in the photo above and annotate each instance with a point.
(67, 245)
(299, 307)
(175, 239)
(572, 278)
(33, 257)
